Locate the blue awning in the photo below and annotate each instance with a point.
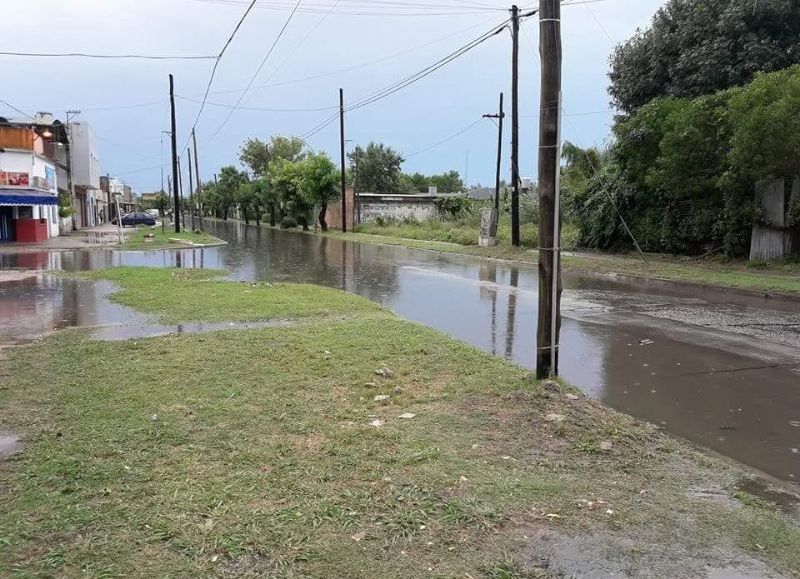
(26, 197)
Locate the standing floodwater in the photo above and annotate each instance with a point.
(720, 370)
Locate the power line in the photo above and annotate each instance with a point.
(399, 85)
(372, 8)
(258, 70)
(445, 140)
(20, 111)
(356, 66)
(416, 77)
(104, 56)
(267, 109)
(216, 64)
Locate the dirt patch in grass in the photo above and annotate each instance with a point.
(262, 451)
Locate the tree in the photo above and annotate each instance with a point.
(227, 189)
(449, 182)
(698, 47)
(257, 155)
(376, 169)
(286, 178)
(319, 183)
(250, 200)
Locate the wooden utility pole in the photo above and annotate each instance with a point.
(199, 197)
(515, 239)
(344, 177)
(192, 198)
(180, 187)
(549, 322)
(499, 116)
(175, 174)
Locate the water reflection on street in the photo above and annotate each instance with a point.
(718, 369)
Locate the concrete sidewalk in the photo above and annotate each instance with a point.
(102, 236)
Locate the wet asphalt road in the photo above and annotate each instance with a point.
(719, 369)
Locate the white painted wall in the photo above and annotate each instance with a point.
(85, 162)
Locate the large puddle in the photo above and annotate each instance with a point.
(719, 369)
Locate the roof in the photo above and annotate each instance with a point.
(26, 197)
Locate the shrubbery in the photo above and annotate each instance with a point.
(682, 172)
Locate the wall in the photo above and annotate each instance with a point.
(397, 207)
(771, 239)
(85, 164)
(334, 214)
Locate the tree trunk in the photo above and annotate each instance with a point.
(272, 215)
(322, 223)
(304, 222)
(244, 213)
(258, 219)
(225, 214)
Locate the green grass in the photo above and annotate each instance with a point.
(202, 295)
(239, 453)
(161, 239)
(463, 231)
(781, 278)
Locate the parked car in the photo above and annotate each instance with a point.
(137, 218)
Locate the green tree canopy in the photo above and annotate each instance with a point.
(285, 179)
(250, 199)
(698, 47)
(257, 154)
(376, 169)
(319, 183)
(227, 189)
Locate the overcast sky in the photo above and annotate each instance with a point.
(127, 105)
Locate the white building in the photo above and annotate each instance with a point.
(90, 202)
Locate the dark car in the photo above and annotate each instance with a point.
(137, 218)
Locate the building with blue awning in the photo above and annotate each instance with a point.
(28, 188)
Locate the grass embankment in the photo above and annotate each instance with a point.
(161, 239)
(768, 278)
(239, 453)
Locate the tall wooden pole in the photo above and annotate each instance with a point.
(192, 198)
(199, 197)
(500, 116)
(344, 177)
(175, 173)
(549, 321)
(515, 237)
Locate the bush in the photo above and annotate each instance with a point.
(288, 222)
(454, 206)
(682, 172)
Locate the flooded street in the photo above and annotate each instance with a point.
(718, 369)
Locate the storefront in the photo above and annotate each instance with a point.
(27, 215)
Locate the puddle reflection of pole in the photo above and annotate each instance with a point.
(512, 313)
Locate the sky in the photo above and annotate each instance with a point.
(361, 46)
